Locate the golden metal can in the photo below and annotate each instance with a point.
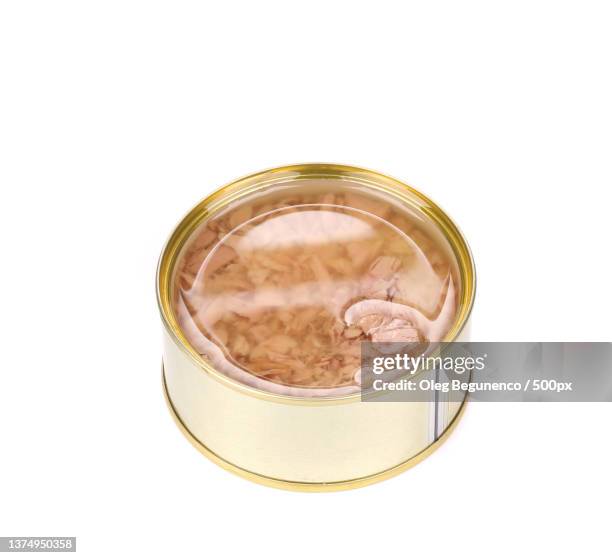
(284, 437)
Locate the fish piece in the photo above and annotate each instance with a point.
(219, 258)
(240, 215)
(407, 333)
(281, 343)
(240, 346)
(384, 267)
(353, 332)
(368, 204)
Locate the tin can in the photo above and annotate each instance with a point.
(290, 441)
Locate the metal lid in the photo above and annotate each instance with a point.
(275, 284)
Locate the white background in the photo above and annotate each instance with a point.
(116, 117)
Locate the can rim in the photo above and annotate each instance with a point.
(236, 189)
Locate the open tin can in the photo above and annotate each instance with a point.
(267, 287)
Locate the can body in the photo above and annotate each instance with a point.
(290, 442)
